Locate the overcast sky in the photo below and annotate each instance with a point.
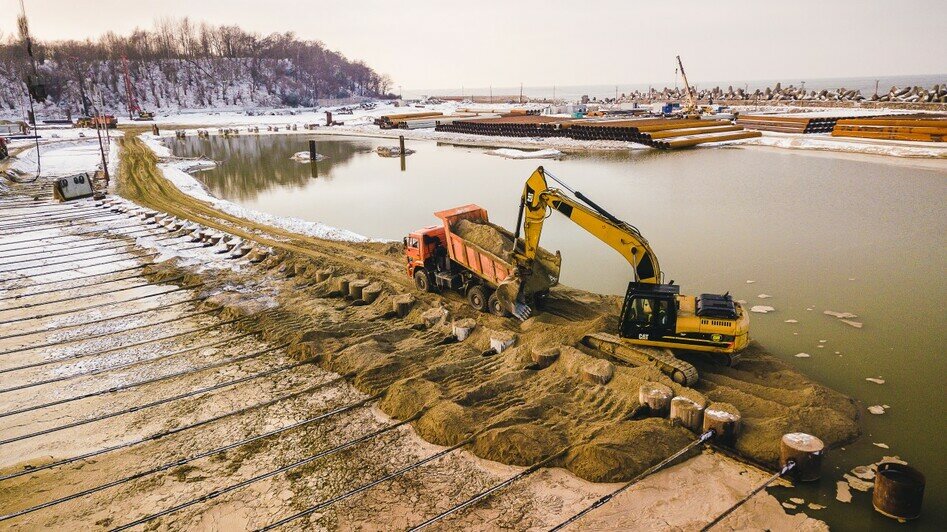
(444, 44)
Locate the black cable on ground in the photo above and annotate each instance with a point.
(233, 487)
(98, 305)
(158, 402)
(325, 504)
(489, 491)
(99, 371)
(83, 296)
(123, 387)
(183, 461)
(651, 470)
(121, 347)
(789, 465)
(160, 435)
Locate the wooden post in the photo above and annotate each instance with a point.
(724, 419)
(806, 451)
(155, 130)
(328, 118)
(657, 397)
(401, 145)
(688, 413)
(312, 150)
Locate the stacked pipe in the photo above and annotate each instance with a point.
(507, 126)
(902, 128)
(788, 124)
(391, 121)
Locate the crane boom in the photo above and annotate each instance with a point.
(691, 99)
(624, 238)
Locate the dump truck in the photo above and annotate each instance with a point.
(440, 259)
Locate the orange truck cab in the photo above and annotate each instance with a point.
(438, 259)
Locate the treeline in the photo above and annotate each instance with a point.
(180, 64)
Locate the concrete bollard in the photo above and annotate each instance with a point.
(371, 292)
(342, 285)
(435, 316)
(806, 451)
(598, 372)
(356, 288)
(401, 304)
(323, 275)
(501, 340)
(687, 413)
(657, 397)
(724, 420)
(462, 328)
(545, 357)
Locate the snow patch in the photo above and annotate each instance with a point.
(511, 153)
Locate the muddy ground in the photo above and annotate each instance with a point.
(289, 308)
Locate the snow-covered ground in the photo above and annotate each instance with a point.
(826, 142)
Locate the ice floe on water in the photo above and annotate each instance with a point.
(511, 153)
(761, 309)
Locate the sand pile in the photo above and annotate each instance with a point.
(486, 236)
(519, 411)
(626, 446)
(499, 242)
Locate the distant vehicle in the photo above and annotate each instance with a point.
(108, 121)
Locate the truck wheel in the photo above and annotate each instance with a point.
(421, 281)
(496, 307)
(477, 297)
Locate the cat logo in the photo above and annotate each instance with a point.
(716, 337)
(643, 336)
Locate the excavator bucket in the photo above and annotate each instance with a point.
(510, 294)
(516, 293)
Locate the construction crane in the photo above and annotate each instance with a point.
(655, 316)
(134, 110)
(690, 108)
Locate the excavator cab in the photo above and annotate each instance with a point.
(649, 311)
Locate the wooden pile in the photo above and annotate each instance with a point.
(888, 128)
(788, 124)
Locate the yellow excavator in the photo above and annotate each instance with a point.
(655, 316)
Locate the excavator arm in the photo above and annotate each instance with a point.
(537, 201)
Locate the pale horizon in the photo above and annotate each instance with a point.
(435, 46)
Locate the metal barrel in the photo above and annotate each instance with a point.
(899, 491)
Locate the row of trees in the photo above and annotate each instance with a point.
(182, 64)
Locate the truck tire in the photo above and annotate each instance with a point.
(421, 281)
(496, 308)
(477, 297)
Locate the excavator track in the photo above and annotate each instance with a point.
(679, 371)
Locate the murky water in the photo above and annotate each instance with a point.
(816, 232)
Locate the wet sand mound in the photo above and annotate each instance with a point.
(521, 445)
(626, 448)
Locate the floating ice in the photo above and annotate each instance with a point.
(803, 355)
(875, 380)
(764, 296)
(762, 309)
(876, 409)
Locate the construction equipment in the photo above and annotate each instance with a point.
(438, 258)
(654, 314)
(135, 112)
(97, 121)
(690, 109)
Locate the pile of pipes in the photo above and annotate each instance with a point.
(788, 124)
(778, 93)
(392, 121)
(508, 126)
(916, 128)
(661, 133)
